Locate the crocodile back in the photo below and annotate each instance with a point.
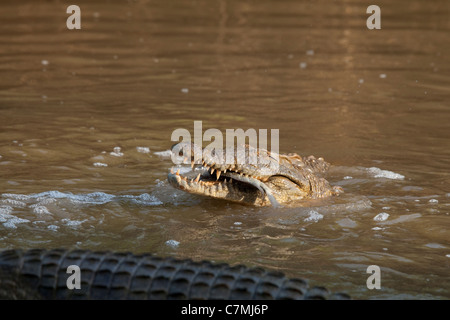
(42, 274)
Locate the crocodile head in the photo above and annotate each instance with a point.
(251, 176)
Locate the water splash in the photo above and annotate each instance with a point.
(51, 208)
(314, 216)
(163, 154)
(379, 173)
(88, 198)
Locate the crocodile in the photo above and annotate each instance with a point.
(107, 275)
(232, 174)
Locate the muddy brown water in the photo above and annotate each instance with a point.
(374, 103)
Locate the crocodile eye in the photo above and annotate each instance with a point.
(213, 152)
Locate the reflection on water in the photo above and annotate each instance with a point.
(86, 118)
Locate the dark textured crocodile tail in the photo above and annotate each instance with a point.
(42, 274)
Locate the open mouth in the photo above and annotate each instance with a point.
(269, 180)
(211, 181)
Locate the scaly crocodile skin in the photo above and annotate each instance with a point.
(251, 176)
(41, 274)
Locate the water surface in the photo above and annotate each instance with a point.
(86, 118)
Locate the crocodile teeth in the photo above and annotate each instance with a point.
(212, 170)
(192, 164)
(217, 174)
(198, 178)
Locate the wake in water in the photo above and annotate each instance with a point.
(47, 204)
(52, 209)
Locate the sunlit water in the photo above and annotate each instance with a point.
(86, 118)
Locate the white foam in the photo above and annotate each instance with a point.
(91, 198)
(145, 199)
(11, 223)
(5, 214)
(6, 209)
(21, 197)
(172, 243)
(160, 183)
(48, 194)
(73, 223)
(116, 152)
(99, 164)
(143, 149)
(14, 203)
(313, 216)
(383, 216)
(43, 202)
(378, 173)
(164, 154)
(38, 202)
(433, 201)
(41, 210)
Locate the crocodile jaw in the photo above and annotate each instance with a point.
(286, 179)
(222, 188)
(231, 186)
